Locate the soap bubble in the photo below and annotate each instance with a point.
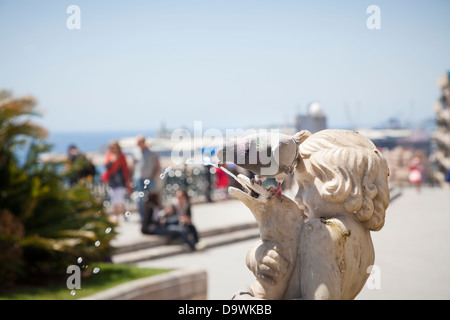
(79, 260)
(97, 243)
(108, 230)
(73, 292)
(96, 270)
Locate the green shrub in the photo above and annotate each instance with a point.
(44, 226)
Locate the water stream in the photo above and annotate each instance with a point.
(206, 161)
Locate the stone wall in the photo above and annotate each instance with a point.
(180, 284)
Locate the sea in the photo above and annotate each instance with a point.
(89, 141)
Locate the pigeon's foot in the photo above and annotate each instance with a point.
(277, 191)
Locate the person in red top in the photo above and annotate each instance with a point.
(117, 175)
(416, 169)
(222, 179)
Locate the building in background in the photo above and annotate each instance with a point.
(441, 136)
(314, 121)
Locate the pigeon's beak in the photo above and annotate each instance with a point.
(253, 191)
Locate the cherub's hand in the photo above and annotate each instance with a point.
(266, 262)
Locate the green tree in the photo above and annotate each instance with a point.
(44, 226)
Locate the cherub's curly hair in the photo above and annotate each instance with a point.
(353, 171)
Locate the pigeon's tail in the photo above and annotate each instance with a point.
(235, 151)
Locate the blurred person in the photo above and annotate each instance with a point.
(209, 171)
(78, 166)
(117, 175)
(146, 168)
(416, 170)
(208, 189)
(168, 224)
(181, 210)
(152, 208)
(222, 181)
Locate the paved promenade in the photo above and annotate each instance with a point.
(412, 250)
(412, 253)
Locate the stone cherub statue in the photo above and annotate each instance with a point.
(319, 247)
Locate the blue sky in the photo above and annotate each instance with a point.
(230, 64)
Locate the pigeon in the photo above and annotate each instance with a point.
(266, 154)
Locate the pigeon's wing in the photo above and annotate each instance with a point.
(265, 154)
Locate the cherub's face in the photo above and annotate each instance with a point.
(309, 197)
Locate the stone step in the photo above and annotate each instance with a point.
(152, 241)
(161, 251)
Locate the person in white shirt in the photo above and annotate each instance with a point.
(145, 170)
